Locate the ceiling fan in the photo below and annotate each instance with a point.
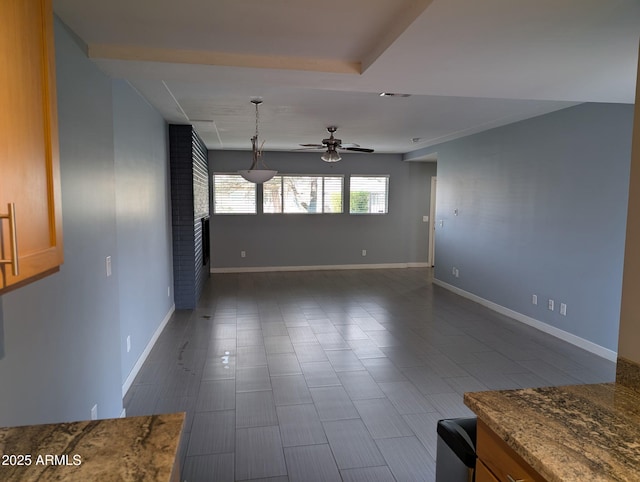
(332, 145)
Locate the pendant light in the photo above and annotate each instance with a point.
(258, 172)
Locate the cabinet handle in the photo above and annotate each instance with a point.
(13, 239)
(511, 479)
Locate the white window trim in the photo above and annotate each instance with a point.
(213, 200)
(387, 176)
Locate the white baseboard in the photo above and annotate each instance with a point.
(143, 356)
(262, 269)
(527, 320)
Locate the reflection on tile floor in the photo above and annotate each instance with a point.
(336, 375)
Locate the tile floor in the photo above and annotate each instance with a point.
(336, 375)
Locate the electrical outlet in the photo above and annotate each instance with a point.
(534, 299)
(107, 263)
(551, 305)
(128, 343)
(243, 254)
(94, 412)
(453, 271)
(425, 219)
(457, 273)
(364, 252)
(563, 309)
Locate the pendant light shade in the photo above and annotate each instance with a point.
(257, 176)
(258, 172)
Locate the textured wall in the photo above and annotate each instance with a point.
(541, 210)
(142, 218)
(284, 240)
(189, 204)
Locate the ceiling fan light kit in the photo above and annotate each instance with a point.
(258, 172)
(332, 145)
(331, 156)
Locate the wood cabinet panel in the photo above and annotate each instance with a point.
(29, 163)
(503, 462)
(483, 474)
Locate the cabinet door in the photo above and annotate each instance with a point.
(483, 474)
(29, 164)
(501, 460)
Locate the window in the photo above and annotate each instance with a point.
(233, 195)
(303, 194)
(368, 194)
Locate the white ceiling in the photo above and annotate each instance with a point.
(468, 65)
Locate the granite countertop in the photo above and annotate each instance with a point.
(569, 433)
(133, 448)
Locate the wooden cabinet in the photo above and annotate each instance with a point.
(483, 474)
(30, 200)
(499, 462)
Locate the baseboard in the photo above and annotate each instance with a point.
(527, 320)
(143, 356)
(262, 269)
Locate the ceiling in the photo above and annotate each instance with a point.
(468, 65)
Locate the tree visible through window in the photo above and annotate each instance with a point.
(303, 194)
(232, 194)
(368, 194)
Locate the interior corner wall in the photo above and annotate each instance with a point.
(190, 204)
(61, 334)
(144, 262)
(303, 240)
(541, 209)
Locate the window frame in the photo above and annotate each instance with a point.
(386, 194)
(213, 184)
(321, 204)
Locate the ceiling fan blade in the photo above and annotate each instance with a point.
(349, 144)
(310, 148)
(357, 149)
(319, 146)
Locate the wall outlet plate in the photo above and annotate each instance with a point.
(551, 305)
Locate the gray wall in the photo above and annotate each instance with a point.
(541, 209)
(61, 336)
(277, 240)
(142, 220)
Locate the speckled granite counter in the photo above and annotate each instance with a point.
(123, 449)
(570, 433)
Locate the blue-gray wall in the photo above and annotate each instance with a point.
(541, 209)
(284, 240)
(142, 220)
(62, 336)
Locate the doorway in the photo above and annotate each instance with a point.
(432, 223)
